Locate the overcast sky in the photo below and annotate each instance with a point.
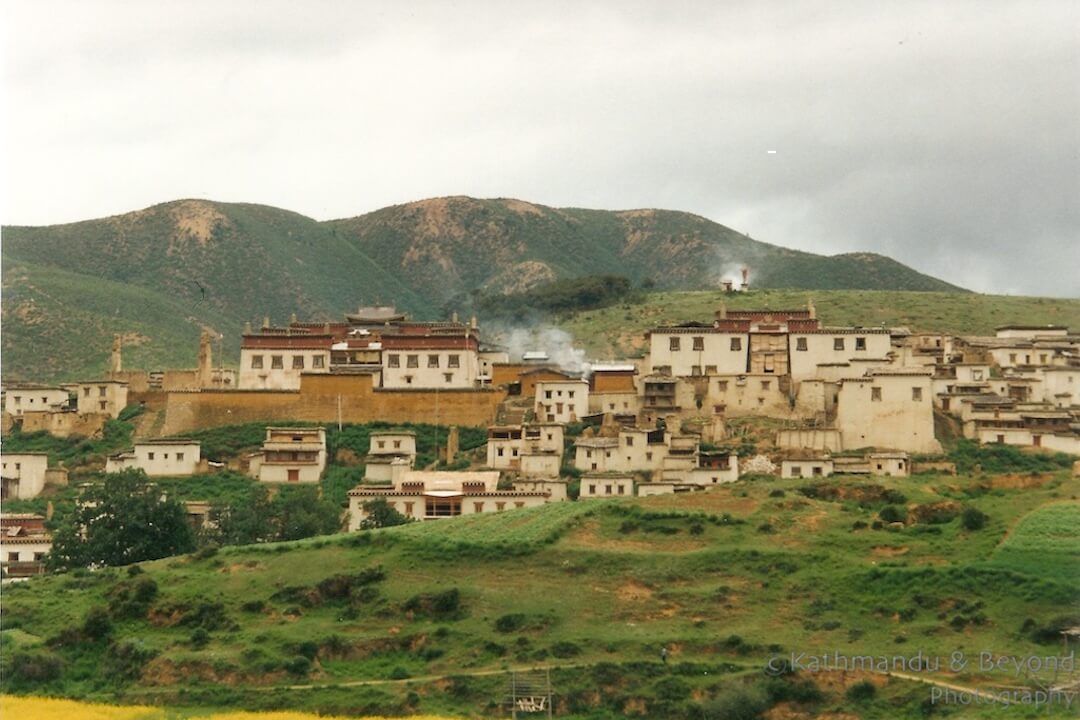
(944, 134)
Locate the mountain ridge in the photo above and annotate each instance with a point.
(189, 264)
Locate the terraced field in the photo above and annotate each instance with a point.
(1046, 541)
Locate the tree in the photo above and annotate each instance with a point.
(302, 513)
(252, 521)
(378, 513)
(124, 520)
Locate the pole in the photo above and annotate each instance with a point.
(339, 412)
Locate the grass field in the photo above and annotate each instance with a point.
(617, 331)
(426, 618)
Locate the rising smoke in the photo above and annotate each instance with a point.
(557, 343)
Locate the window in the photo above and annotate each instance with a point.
(408, 379)
(86, 391)
(816, 470)
(695, 370)
(674, 343)
(796, 471)
(149, 456)
(103, 404)
(838, 344)
(101, 391)
(277, 362)
(800, 344)
(547, 394)
(736, 344)
(453, 361)
(478, 507)
(397, 444)
(256, 362)
(622, 490)
(976, 374)
(607, 489)
(408, 508)
(875, 393)
(393, 360)
(499, 505)
(499, 452)
(722, 385)
(433, 361)
(298, 362)
(449, 377)
(629, 441)
(165, 456)
(39, 556)
(860, 343)
(765, 384)
(318, 361)
(710, 369)
(699, 343)
(294, 475)
(179, 457)
(519, 503)
(17, 399)
(412, 361)
(380, 443)
(648, 456)
(916, 394)
(13, 557)
(1012, 357)
(570, 393)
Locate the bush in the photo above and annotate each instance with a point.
(445, 605)
(36, 667)
(97, 624)
(399, 673)
(298, 666)
(125, 660)
(672, 689)
(973, 519)
(861, 691)
(737, 703)
(510, 623)
(199, 638)
(565, 649)
(892, 513)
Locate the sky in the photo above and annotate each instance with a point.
(945, 135)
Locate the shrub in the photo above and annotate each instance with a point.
(125, 660)
(973, 519)
(97, 624)
(892, 513)
(399, 673)
(298, 665)
(737, 703)
(565, 649)
(36, 667)
(696, 528)
(510, 623)
(777, 493)
(861, 691)
(253, 606)
(445, 605)
(199, 638)
(672, 689)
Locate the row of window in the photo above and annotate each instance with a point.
(449, 508)
(277, 362)
(607, 490)
(165, 456)
(800, 343)
(448, 377)
(916, 394)
(558, 393)
(413, 361)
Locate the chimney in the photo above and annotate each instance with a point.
(812, 309)
(292, 319)
(472, 322)
(745, 277)
(453, 318)
(266, 322)
(721, 314)
(116, 361)
(247, 327)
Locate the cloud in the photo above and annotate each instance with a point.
(945, 135)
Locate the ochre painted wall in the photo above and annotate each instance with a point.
(318, 401)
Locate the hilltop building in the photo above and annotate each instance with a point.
(24, 543)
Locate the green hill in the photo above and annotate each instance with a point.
(159, 275)
(428, 617)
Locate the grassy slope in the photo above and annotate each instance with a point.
(598, 584)
(618, 330)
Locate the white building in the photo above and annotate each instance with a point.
(23, 475)
(290, 455)
(159, 458)
(562, 401)
(606, 485)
